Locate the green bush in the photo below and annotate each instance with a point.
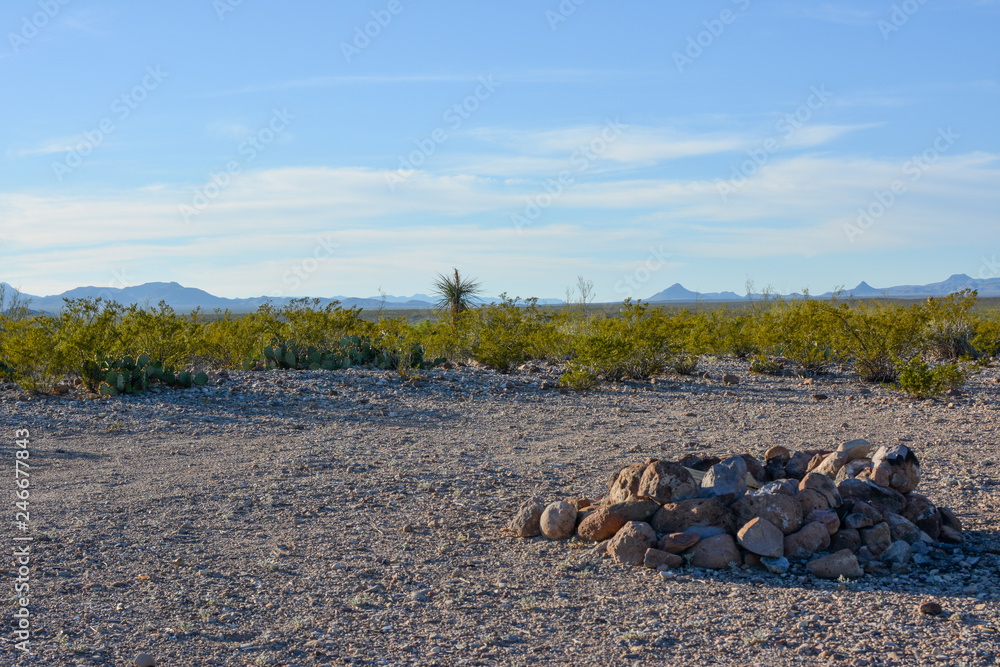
(919, 380)
(876, 335)
(503, 335)
(950, 326)
(633, 345)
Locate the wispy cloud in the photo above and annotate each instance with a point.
(48, 147)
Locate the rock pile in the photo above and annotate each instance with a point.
(846, 512)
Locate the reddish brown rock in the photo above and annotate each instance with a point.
(904, 469)
(828, 518)
(626, 483)
(921, 511)
(777, 453)
(716, 553)
(667, 482)
(558, 521)
(655, 558)
(902, 529)
(931, 608)
(817, 460)
(845, 538)
(678, 517)
(783, 511)
(579, 503)
(822, 485)
(676, 543)
(948, 518)
(811, 500)
(629, 544)
(811, 538)
(601, 525)
(762, 537)
(950, 535)
(877, 538)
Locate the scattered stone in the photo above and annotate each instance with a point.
(730, 380)
(931, 608)
(144, 660)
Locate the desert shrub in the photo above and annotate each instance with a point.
(307, 324)
(920, 380)
(805, 336)
(401, 346)
(735, 333)
(876, 336)
(226, 341)
(766, 365)
(27, 354)
(633, 345)
(950, 326)
(159, 332)
(503, 335)
(987, 336)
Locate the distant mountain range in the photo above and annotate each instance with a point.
(989, 287)
(186, 299)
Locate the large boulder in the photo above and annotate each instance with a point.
(656, 558)
(783, 511)
(558, 520)
(716, 553)
(629, 544)
(678, 517)
(676, 543)
(667, 482)
(921, 511)
(903, 529)
(634, 510)
(824, 486)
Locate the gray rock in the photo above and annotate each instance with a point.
(841, 563)
(656, 558)
(726, 481)
(902, 528)
(527, 521)
(783, 511)
(776, 565)
(625, 485)
(558, 521)
(897, 555)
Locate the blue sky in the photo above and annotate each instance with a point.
(315, 148)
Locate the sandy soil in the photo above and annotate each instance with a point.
(311, 518)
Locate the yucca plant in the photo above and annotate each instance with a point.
(456, 294)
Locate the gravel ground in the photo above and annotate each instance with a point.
(314, 518)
